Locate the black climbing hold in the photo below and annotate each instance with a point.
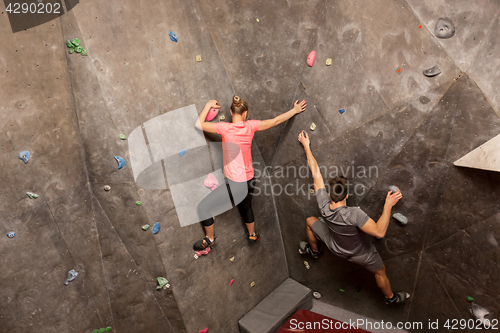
(358, 289)
(433, 71)
(444, 28)
(24, 156)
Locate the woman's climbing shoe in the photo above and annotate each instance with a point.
(399, 297)
(254, 237)
(203, 244)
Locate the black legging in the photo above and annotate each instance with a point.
(242, 196)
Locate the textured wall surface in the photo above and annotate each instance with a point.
(69, 111)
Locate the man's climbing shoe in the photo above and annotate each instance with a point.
(399, 297)
(203, 244)
(306, 248)
(254, 237)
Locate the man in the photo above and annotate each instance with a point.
(344, 229)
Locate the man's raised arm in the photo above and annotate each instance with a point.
(313, 165)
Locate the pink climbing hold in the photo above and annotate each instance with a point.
(231, 283)
(211, 182)
(212, 114)
(203, 331)
(310, 58)
(202, 252)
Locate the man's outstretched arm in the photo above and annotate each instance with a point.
(313, 165)
(380, 228)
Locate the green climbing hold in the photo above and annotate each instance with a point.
(95, 331)
(75, 42)
(108, 329)
(145, 227)
(68, 42)
(162, 282)
(470, 299)
(79, 49)
(342, 290)
(71, 50)
(138, 203)
(84, 52)
(123, 137)
(102, 330)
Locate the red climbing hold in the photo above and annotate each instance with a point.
(310, 58)
(231, 283)
(203, 331)
(399, 70)
(420, 27)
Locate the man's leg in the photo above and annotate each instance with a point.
(383, 282)
(311, 237)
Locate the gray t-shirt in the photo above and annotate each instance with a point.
(344, 224)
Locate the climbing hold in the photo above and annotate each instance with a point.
(71, 276)
(310, 58)
(69, 44)
(205, 330)
(145, 227)
(24, 156)
(198, 58)
(102, 330)
(328, 61)
(11, 234)
(211, 182)
(198, 254)
(183, 152)
(212, 114)
(313, 126)
(71, 50)
(420, 27)
(231, 283)
(311, 191)
(84, 52)
(162, 282)
(167, 286)
(32, 195)
(123, 137)
(252, 284)
(222, 117)
(258, 20)
(433, 71)
(156, 228)
(399, 70)
(358, 289)
(173, 36)
(393, 189)
(138, 203)
(444, 28)
(342, 290)
(342, 111)
(75, 42)
(316, 295)
(121, 162)
(479, 312)
(401, 218)
(95, 331)
(79, 49)
(307, 265)
(107, 188)
(231, 259)
(470, 299)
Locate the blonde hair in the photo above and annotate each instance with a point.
(239, 106)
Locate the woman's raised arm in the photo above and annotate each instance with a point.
(297, 108)
(201, 123)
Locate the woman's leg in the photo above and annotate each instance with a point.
(216, 198)
(245, 208)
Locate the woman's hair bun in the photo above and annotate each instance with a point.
(236, 101)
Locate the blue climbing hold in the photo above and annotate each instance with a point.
(156, 228)
(173, 36)
(11, 234)
(183, 152)
(24, 156)
(71, 276)
(121, 162)
(342, 111)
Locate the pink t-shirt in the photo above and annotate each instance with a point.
(237, 145)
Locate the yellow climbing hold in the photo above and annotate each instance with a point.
(222, 117)
(231, 259)
(312, 191)
(313, 126)
(328, 61)
(258, 20)
(252, 284)
(198, 58)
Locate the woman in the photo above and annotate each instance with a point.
(238, 171)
